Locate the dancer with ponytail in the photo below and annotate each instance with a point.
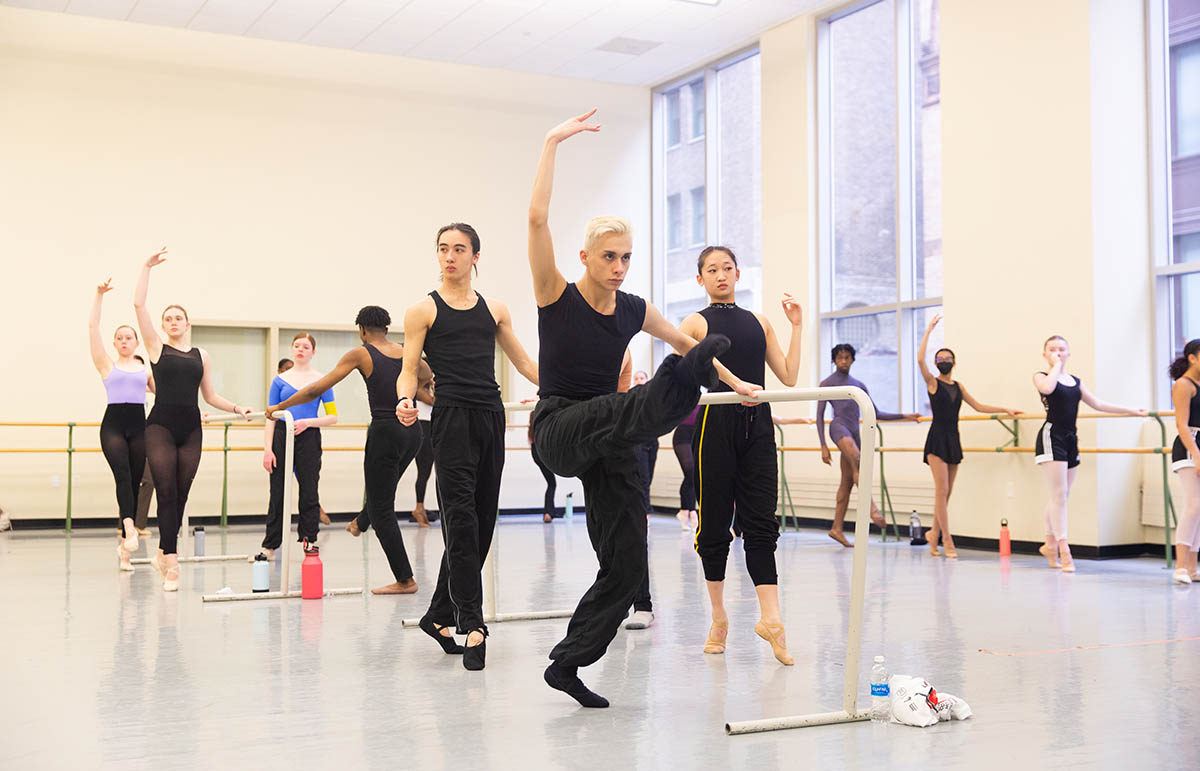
(1057, 446)
(1185, 393)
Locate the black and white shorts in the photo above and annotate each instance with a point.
(1180, 457)
(1055, 444)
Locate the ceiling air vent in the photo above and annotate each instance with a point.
(626, 45)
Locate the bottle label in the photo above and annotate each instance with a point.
(879, 689)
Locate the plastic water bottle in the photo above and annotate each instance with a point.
(881, 711)
(312, 580)
(261, 577)
(198, 541)
(570, 506)
(914, 529)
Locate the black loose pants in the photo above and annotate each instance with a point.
(391, 446)
(596, 441)
(306, 460)
(468, 452)
(736, 469)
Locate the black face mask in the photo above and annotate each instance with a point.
(945, 366)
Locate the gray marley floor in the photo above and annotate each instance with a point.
(102, 669)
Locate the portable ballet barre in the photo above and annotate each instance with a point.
(289, 446)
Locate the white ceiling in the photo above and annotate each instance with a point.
(557, 37)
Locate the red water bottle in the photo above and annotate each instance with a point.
(312, 579)
(1005, 540)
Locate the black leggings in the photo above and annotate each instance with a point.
(424, 459)
(173, 443)
(551, 482)
(307, 464)
(123, 440)
(391, 446)
(681, 442)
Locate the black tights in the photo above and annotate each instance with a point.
(424, 460)
(173, 444)
(123, 441)
(551, 482)
(687, 488)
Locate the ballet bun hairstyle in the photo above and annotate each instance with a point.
(131, 329)
(709, 250)
(373, 317)
(946, 350)
(1052, 338)
(840, 348)
(1180, 366)
(311, 340)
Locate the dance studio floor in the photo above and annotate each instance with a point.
(101, 669)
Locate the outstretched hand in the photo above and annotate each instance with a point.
(105, 287)
(157, 258)
(933, 322)
(1139, 412)
(793, 310)
(571, 127)
(1012, 413)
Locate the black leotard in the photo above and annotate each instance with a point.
(942, 440)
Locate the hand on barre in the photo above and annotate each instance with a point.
(792, 421)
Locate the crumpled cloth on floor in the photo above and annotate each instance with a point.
(915, 702)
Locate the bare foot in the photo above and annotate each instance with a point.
(420, 515)
(352, 528)
(547, 518)
(840, 538)
(325, 520)
(400, 587)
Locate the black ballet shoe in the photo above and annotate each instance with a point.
(433, 630)
(699, 361)
(474, 655)
(566, 680)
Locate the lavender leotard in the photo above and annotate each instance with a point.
(845, 412)
(126, 387)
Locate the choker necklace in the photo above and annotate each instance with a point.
(722, 305)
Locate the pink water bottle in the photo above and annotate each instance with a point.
(312, 579)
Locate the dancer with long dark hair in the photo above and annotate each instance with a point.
(1185, 393)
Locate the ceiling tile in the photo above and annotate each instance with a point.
(40, 5)
(106, 9)
(171, 13)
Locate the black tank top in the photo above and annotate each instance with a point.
(461, 349)
(177, 376)
(1062, 405)
(1194, 405)
(747, 354)
(945, 403)
(381, 385)
(581, 350)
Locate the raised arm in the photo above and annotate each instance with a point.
(350, 361)
(100, 357)
(1046, 382)
(1116, 409)
(921, 352)
(150, 337)
(785, 366)
(654, 324)
(417, 321)
(548, 282)
(210, 393)
(987, 409)
(506, 338)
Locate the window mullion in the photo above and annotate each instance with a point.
(712, 149)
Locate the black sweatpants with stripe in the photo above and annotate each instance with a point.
(468, 454)
(596, 440)
(736, 470)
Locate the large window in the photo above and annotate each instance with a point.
(879, 124)
(1175, 141)
(708, 184)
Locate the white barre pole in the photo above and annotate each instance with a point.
(862, 528)
(289, 446)
(275, 595)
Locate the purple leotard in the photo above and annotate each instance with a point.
(124, 387)
(845, 412)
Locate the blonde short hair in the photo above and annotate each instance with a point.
(598, 227)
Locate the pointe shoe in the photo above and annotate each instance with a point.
(123, 559)
(773, 633)
(158, 564)
(1050, 556)
(840, 537)
(171, 579)
(1068, 564)
(1181, 576)
(933, 546)
(684, 522)
(712, 644)
(131, 541)
(352, 528)
(951, 554)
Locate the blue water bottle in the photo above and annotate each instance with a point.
(570, 507)
(262, 574)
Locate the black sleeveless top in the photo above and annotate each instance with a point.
(1062, 405)
(461, 349)
(1194, 405)
(581, 350)
(945, 403)
(177, 376)
(381, 385)
(747, 354)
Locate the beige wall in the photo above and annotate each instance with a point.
(324, 172)
(1044, 232)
